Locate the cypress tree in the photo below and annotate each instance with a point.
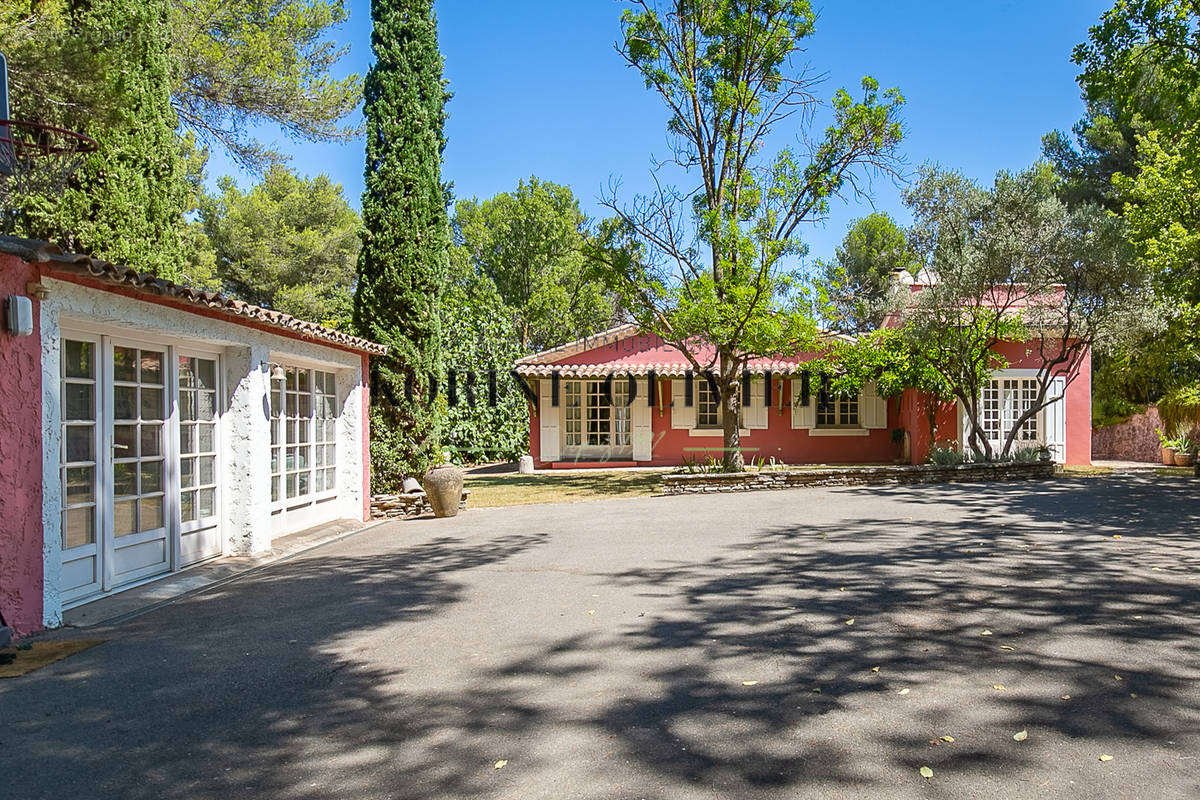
(126, 201)
(402, 265)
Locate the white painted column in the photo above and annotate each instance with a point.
(349, 443)
(246, 446)
(51, 467)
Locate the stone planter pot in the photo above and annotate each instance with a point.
(1168, 456)
(1185, 459)
(443, 488)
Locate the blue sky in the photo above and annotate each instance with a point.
(538, 90)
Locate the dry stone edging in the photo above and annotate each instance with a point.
(406, 506)
(703, 483)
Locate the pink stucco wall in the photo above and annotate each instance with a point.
(20, 461)
(1078, 398)
(778, 439)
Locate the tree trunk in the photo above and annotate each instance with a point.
(731, 419)
(733, 460)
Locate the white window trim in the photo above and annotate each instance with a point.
(313, 498)
(583, 450)
(839, 432)
(714, 433)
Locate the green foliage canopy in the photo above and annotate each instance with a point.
(857, 283)
(1139, 147)
(530, 243)
(126, 201)
(289, 243)
(479, 336)
(239, 63)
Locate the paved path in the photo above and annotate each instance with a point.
(608, 649)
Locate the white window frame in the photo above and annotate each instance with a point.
(839, 408)
(582, 405)
(306, 437)
(1005, 396)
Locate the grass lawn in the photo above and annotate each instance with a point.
(1175, 472)
(1075, 469)
(488, 491)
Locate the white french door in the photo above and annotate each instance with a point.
(138, 456)
(199, 529)
(1003, 402)
(137, 495)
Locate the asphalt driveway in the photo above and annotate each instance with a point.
(813, 643)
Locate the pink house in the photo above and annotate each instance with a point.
(648, 414)
(147, 427)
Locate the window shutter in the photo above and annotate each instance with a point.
(874, 408)
(803, 416)
(682, 416)
(548, 415)
(641, 417)
(755, 415)
(1056, 420)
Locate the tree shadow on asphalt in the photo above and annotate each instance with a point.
(260, 703)
(256, 696)
(1066, 606)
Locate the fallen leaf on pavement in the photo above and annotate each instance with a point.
(926, 773)
(874, 669)
(1116, 536)
(1006, 647)
(999, 687)
(1066, 697)
(500, 764)
(749, 683)
(902, 691)
(1106, 757)
(1020, 736)
(850, 621)
(1117, 678)
(949, 739)
(592, 611)
(986, 633)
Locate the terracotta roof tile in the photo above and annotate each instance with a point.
(35, 251)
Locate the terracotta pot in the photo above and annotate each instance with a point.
(1168, 455)
(444, 486)
(1185, 459)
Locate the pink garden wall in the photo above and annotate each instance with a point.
(20, 461)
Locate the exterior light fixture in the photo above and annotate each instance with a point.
(18, 315)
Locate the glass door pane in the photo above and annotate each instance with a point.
(139, 508)
(81, 565)
(197, 439)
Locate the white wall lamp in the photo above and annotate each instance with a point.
(18, 315)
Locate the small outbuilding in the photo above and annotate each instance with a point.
(146, 427)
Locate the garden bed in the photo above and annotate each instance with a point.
(701, 483)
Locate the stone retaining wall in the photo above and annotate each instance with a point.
(1134, 439)
(701, 483)
(406, 506)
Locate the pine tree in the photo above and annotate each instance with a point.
(126, 201)
(402, 265)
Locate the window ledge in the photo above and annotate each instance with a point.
(839, 432)
(714, 432)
